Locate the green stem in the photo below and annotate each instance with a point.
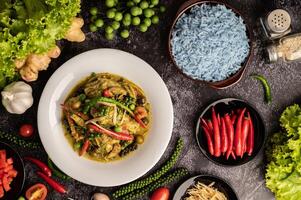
(55, 171)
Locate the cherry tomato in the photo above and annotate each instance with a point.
(36, 192)
(26, 130)
(160, 194)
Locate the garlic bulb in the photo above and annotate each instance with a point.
(17, 97)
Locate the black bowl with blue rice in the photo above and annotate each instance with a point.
(210, 42)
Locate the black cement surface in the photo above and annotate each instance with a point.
(189, 98)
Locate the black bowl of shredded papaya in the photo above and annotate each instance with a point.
(230, 132)
(209, 186)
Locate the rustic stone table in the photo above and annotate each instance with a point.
(189, 97)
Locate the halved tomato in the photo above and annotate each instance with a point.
(36, 192)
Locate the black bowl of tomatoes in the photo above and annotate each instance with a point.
(230, 132)
(12, 174)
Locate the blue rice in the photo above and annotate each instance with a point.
(210, 42)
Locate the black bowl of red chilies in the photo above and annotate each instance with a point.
(230, 132)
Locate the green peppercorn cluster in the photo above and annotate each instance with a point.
(119, 16)
(128, 149)
(20, 142)
(177, 174)
(153, 177)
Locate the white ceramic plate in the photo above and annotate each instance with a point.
(50, 126)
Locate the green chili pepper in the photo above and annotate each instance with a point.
(266, 86)
(96, 100)
(57, 172)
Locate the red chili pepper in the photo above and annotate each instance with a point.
(233, 118)
(209, 140)
(80, 114)
(84, 147)
(219, 119)
(118, 136)
(204, 122)
(238, 111)
(209, 122)
(224, 136)
(238, 135)
(233, 155)
(40, 164)
(140, 122)
(230, 133)
(250, 140)
(216, 134)
(55, 185)
(244, 134)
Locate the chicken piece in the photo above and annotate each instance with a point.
(75, 33)
(131, 124)
(115, 151)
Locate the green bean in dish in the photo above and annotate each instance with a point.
(106, 117)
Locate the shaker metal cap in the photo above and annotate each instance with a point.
(279, 21)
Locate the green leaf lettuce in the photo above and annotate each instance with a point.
(32, 26)
(283, 174)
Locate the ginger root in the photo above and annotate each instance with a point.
(19, 63)
(35, 63)
(30, 67)
(75, 33)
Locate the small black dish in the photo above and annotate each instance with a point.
(226, 106)
(220, 184)
(18, 182)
